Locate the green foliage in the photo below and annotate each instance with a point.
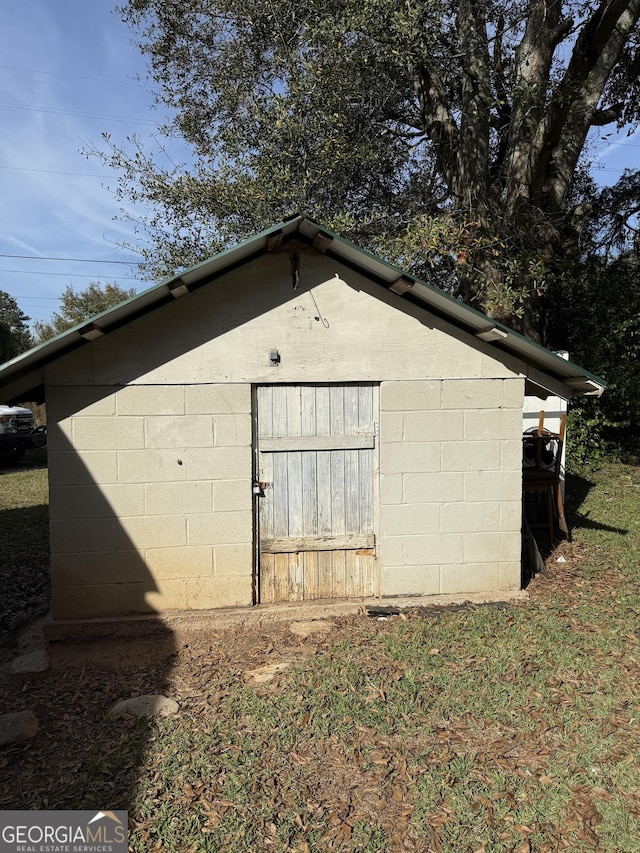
(597, 316)
(381, 118)
(76, 307)
(15, 337)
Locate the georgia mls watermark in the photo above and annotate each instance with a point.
(63, 832)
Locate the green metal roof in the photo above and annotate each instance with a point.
(545, 369)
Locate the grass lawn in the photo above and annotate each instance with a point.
(513, 728)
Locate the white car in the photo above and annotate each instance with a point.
(18, 432)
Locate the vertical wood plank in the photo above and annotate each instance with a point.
(311, 585)
(339, 574)
(353, 579)
(309, 493)
(281, 577)
(325, 574)
(280, 495)
(296, 577)
(267, 579)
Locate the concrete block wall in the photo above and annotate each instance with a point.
(171, 526)
(450, 485)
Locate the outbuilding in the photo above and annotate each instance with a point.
(291, 420)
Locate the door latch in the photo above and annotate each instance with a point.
(259, 487)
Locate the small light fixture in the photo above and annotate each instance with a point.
(274, 357)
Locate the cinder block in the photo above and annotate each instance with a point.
(151, 466)
(86, 468)
(392, 550)
(472, 394)
(409, 457)
(409, 519)
(93, 535)
(96, 501)
(513, 393)
(232, 430)
(233, 559)
(432, 550)
(478, 577)
(219, 463)
(151, 400)
(391, 489)
(434, 487)
(470, 517)
(392, 426)
(511, 455)
(221, 528)
(81, 401)
(70, 602)
(184, 497)
(471, 456)
(59, 435)
(410, 580)
(187, 561)
(107, 567)
(433, 426)
(511, 515)
(108, 433)
(510, 576)
(492, 547)
(113, 534)
(219, 399)
(167, 594)
(214, 593)
(157, 531)
(178, 431)
(232, 495)
(399, 396)
(493, 486)
(496, 424)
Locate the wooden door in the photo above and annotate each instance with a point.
(315, 461)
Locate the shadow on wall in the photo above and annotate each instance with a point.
(82, 757)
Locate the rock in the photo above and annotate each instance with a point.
(266, 673)
(35, 663)
(308, 628)
(17, 726)
(145, 706)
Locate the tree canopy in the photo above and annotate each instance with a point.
(15, 337)
(75, 307)
(447, 135)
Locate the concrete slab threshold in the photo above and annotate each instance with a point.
(184, 621)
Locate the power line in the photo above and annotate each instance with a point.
(73, 76)
(55, 111)
(67, 274)
(55, 172)
(75, 260)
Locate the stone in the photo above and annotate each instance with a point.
(145, 706)
(17, 726)
(310, 627)
(266, 673)
(34, 663)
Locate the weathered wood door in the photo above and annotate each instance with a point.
(315, 462)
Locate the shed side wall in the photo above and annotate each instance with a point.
(151, 441)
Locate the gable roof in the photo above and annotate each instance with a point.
(547, 372)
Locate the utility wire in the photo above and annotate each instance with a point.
(55, 111)
(76, 260)
(73, 76)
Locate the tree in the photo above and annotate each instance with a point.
(15, 337)
(78, 307)
(448, 135)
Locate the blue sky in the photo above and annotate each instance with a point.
(68, 74)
